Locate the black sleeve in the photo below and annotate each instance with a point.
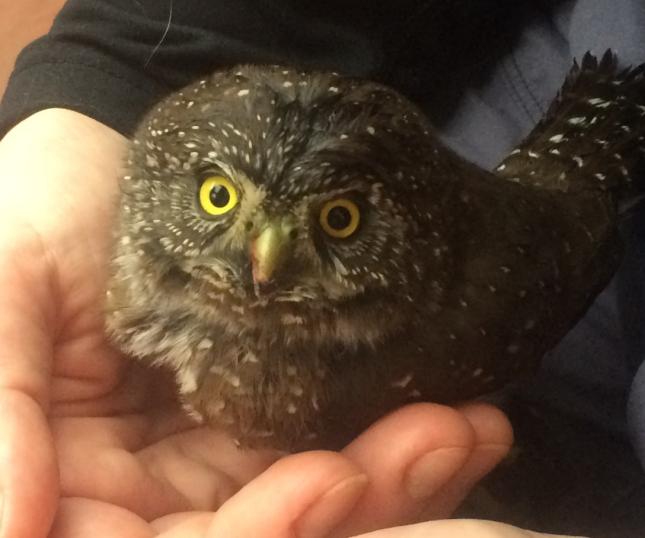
(112, 59)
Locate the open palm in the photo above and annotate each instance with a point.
(97, 445)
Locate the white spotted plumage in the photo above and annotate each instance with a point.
(446, 289)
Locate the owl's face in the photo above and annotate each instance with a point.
(284, 191)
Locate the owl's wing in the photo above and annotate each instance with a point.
(592, 134)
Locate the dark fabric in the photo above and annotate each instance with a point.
(485, 71)
(112, 59)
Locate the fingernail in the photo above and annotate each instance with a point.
(433, 470)
(329, 510)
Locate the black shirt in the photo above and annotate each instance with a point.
(111, 59)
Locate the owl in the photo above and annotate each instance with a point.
(304, 254)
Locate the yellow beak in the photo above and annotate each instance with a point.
(270, 249)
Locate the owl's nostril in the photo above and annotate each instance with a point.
(293, 234)
(248, 226)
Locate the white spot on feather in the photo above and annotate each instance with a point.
(403, 382)
(206, 343)
(577, 120)
(599, 103)
(187, 380)
(250, 357)
(193, 413)
(233, 380)
(290, 319)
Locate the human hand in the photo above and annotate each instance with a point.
(370, 484)
(464, 528)
(81, 424)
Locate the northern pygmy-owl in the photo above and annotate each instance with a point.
(305, 254)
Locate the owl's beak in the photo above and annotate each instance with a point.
(269, 250)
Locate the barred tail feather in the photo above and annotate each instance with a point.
(592, 136)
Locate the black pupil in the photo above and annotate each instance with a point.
(219, 196)
(339, 218)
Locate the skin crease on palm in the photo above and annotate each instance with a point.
(95, 446)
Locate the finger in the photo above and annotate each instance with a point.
(408, 456)
(183, 525)
(301, 496)
(463, 528)
(27, 313)
(78, 518)
(493, 440)
(28, 473)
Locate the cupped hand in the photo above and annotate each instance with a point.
(97, 445)
(463, 528)
(414, 464)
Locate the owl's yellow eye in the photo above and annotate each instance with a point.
(217, 195)
(340, 218)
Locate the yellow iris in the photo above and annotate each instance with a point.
(217, 195)
(340, 218)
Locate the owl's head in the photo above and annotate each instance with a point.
(268, 188)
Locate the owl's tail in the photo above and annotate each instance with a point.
(592, 136)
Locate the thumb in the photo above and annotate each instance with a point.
(28, 469)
